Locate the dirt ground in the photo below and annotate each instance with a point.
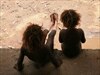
(16, 14)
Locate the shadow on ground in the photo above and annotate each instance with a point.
(88, 63)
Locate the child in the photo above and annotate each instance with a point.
(34, 46)
(71, 37)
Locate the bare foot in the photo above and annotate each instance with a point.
(54, 17)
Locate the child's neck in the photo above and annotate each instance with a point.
(71, 27)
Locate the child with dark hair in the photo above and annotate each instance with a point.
(71, 37)
(34, 46)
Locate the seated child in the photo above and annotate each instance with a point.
(34, 46)
(71, 37)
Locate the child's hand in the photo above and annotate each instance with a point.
(19, 67)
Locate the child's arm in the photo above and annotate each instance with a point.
(53, 26)
(45, 32)
(19, 66)
(61, 35)
(83, 39)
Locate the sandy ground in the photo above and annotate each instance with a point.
(16, 14)
(88, 63)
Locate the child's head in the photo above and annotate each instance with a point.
(32, 36)
(70, 18)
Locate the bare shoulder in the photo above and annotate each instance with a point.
(80, 30)
(63, 31)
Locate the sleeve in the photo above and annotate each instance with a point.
(83, 39)
(61, 34)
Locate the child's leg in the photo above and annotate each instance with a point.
(50, 40)
(50, 43)
(45, 32)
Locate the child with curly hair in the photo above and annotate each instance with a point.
(34, 46)
(71, 37)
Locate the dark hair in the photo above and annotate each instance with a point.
(70, 18)
(32, 36)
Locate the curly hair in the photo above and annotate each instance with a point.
(70, 18)
(32, 36)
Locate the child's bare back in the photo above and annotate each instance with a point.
(71, 37)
